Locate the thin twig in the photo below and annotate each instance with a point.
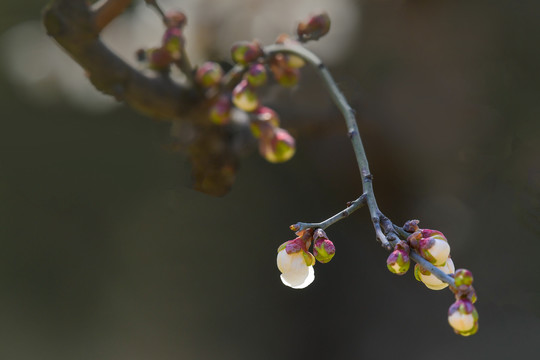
(106, 11)
(350, 119)
(355, 205)
(155, 5)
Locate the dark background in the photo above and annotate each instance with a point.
(106, 253)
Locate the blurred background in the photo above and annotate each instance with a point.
(107, 253)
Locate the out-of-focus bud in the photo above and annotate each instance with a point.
(284, 74)
(159, 59)
(244, 97)
(398, 261)
(256, 75)
(323, 249)
(245, 52)
(463, 277)
(209, 74)
(175, 18)
(314, 27)
(295, 264)
(265, 122)
(430, 280)
(463, 317)
(173, 42)
(277, 148)
(434, 250)
(220, 112)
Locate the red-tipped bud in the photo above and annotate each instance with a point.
(314, 28)
(278, 147)
(463, 318)
(323, 249)
(398, 262)
(173, 41)
(245, 52)
(284, 74)
(159, 59)
(175, 18)
(220, 112)
(209, 74)
(463, 277)
(256, 75)
(244, 97)
(265, 122)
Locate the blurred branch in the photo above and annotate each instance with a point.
(75, 27)
(107, 10)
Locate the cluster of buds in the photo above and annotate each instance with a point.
(172, 44)
(433, 246)
(462, 314)
(295, 261)
(275, 144)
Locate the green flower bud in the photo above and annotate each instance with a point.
(245, 52)
(244, 97)
(209, 74)
(256, 75)
(323, 249)
(159, 59)
(278, 147)
(266, 121)
(220, 112)
(173, 42)
(463, 277)
(398, 262)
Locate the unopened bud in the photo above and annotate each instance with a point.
(256, 75)
(434, 250)
(433, 233)
(430, 280)
(463, 277)
(277, 148)
(398, 262)
(245, 52)
(284, 74)
(244, 97)
(314, 28)
(266, 120)
(173, 41)
(220, 112)
(209, 74)
(323, 249)
(175, 18)
(159, 59)
(463, 317)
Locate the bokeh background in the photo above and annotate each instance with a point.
(106, 252)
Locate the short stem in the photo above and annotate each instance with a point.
(355, 205)
(350, 119)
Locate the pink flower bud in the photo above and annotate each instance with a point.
(244, 97)
(463, 277)
(220, 112)
(265, 122)
(159, 59)
(323, 249)
(398, 262)
(463, 317)
(175, 18)
(256, 75)
(173, 41)
(245, 52)
(209, 74)
(278, 147)
(314, 28)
